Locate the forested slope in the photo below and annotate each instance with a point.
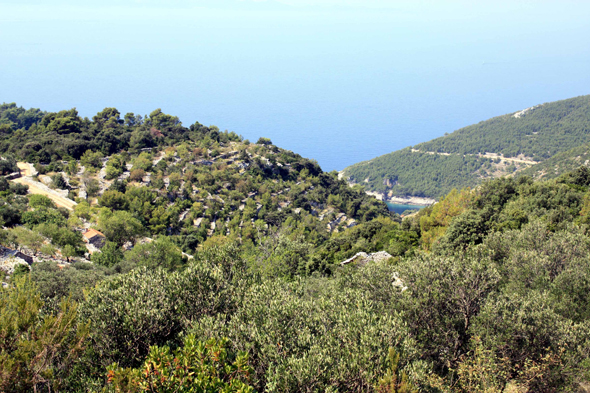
(538, 133)
(408, 172)
(137, 179)
(221, 270)
(560, 163)
(461, 158)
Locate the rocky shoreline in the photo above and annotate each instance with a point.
(403, 200)
(389, 197)
(411, 200)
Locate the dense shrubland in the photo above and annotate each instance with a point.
(493, 296)
(189, 185)
(487, 290)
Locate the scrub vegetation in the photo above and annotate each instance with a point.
(220, 270)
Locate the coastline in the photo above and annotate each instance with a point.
(420, 201)
(402, 200)
(388, 197)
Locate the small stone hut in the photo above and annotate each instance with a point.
(94, 237)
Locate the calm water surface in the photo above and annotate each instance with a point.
(399, 209)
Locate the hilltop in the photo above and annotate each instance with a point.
(189, 184)
(500, 146)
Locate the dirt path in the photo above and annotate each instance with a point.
(36, 187)
(486, 155)
(26, 169)
(494, 156)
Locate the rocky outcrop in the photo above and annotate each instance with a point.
(397, 282)
(411, 200)
(362, 258)
(10, 259)
(524, 111)
(390, 183)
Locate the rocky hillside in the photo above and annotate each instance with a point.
(134, 180)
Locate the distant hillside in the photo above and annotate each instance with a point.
(499, 146)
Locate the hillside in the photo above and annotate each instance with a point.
(489, 288)
(499, 146)
(189, 257)
(136, 179)
(560, 163)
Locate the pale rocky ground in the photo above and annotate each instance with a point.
(59, 197)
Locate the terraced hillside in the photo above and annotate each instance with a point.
(135, 180)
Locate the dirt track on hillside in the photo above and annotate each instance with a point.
(36, 187)
(486, 155)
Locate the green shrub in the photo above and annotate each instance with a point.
(196, 366)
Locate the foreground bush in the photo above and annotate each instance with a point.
(195, 367)
(36, 349)
(303, 337)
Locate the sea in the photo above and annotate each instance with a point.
(336, 81)
(401, 208)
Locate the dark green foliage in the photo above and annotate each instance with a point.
(467, 229)
(541, 133)
(37, 201)
(4, 184)
(113, 199)
(60, 236)
(120, 226)
(109, 255)
(488, 290)
(17, 117)
(54, 282)
(160, 253)
(9, 213)
(560, 163)
(43, 137)
(501, 300)
(20, 270)
(277, 186)
(59, 181)
(8, 165)
(417, 173)
(43, 215)
(264, 141)
(375, 235)
(19, 189)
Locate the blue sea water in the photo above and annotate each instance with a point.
(399, 208)
(338, 81)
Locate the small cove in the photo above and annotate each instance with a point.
(400, 208)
